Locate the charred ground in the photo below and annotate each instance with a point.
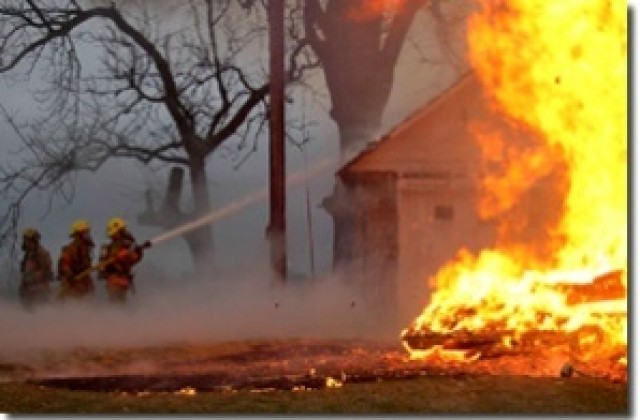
(361, 369)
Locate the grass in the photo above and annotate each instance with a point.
(427, 395)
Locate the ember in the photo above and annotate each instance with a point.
(560, 70)
(191, 370)
(186, 391)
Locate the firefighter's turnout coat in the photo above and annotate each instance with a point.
(74, 270)
(116, 261)
(36, 275)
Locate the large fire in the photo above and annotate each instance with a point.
(558, 68)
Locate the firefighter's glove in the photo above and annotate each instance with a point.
(140, 247)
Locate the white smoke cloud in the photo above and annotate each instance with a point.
(199, 311)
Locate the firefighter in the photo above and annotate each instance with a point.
(74, 264)
(35, 269)
(117, 259)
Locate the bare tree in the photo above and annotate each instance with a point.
(121, 82)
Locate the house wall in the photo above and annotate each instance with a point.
(401, 231)
(372, 246)
(437, 217)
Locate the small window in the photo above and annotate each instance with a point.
(442, 212)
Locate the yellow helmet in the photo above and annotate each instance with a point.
(115, 225)
(79, 226)
(31, 233)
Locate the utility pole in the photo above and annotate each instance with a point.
(277, 229)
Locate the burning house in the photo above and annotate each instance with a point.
(501, 205)
(411, 200)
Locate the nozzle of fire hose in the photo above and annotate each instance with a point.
(144, 245)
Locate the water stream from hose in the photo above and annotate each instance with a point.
(236, 206)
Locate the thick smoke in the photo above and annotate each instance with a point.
(166, 308)
(204, 311)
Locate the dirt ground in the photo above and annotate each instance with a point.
(295, 364)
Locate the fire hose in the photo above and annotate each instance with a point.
(102, 264)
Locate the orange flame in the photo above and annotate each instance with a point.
(558, 69)
(369, 9)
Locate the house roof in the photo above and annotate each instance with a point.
(435, 140)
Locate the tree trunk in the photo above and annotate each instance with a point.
(200, 241)
(359, 83)
(359, 54)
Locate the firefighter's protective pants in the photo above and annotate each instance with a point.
(117, 287)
